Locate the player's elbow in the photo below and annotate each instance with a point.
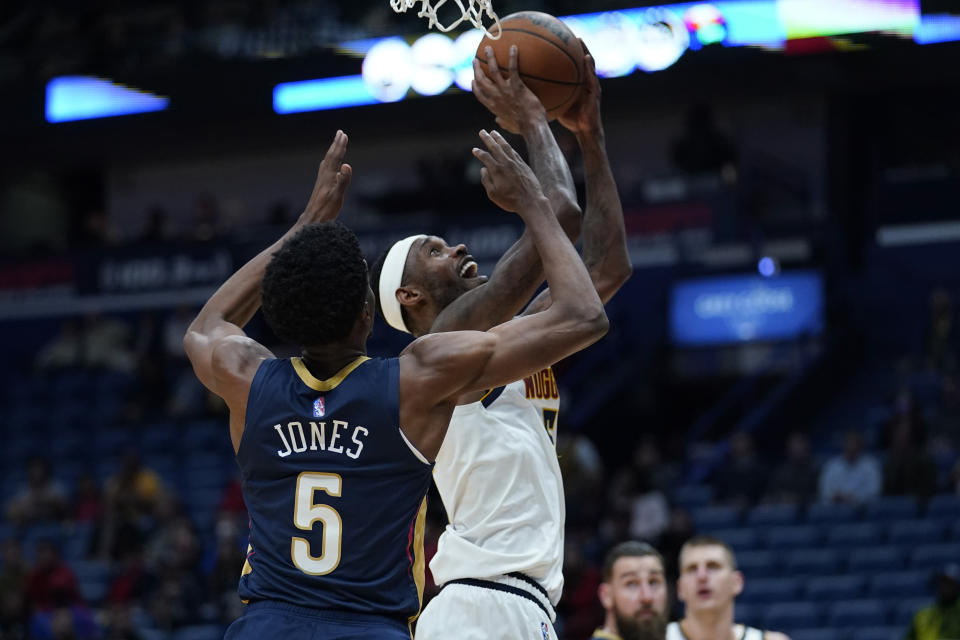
(592, 323)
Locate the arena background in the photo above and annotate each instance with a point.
(790, 173)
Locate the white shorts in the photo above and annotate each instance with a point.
(469, 612)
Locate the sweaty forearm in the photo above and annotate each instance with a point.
(550, 167)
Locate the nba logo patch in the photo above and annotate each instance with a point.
(318, 408)
(545, 631)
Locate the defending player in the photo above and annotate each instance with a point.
(500, 559)
(334, 447)
(708, 584)
(633, 594)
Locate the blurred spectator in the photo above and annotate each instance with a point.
(581, 581)
(42, 499)
(119, 623)
(106, 344)
(87, 503)
(130, 498)
(852, 477)
(908, 469)
(174, 328)
(701, 147)
(13, 581)
(63, 351)
(742, 479)
(64, 622)
(795, 481)
(13, 569)
(95, 231)
(223, 580)
(582, 469)
(133, 581)
(206, 218)
(649, 510)
(941, 333)
(51, 583)
(157, 228)
(942, 619)
(674, 537)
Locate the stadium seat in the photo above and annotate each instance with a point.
(691, 496)
(890, 508)
(867, 612)
(812, 562)
(740, 539)
(759, 590)
(914, 532)
(876, 559)
(830, 588)
(879, 633)
(931, 556)
(792, 615)
(750, 614)
(792, 537)
(759, 564)
(831, 513)
(713, 518)
(199, 632)
(904, 609)
(773, 515)
(891, 585)
(854, 534)
(815, 634)
(944, 506)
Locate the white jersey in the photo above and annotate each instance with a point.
(500, 482)
(740, 632)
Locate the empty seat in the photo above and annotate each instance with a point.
(879, 633)
(890, 508)
(792, 615)
(898, 583)
(815, 634)
(199, 632)
(692, 495)
(944, 506)
(750, 614)
(773, 514)
(930, 556)
(759, 564)
(831, 513)
(738, 538)
(854, 534)
(867, 612)
(712, 518)
(916, 531)
(758, 590)
(905, 609)
(792, 537)
(812, 562)
(876, 559)
(830, 588)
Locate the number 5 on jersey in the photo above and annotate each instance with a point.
(306, 512)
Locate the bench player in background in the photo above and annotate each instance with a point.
(633, 594)
(500, 559)
(708, 585)
(334, 447)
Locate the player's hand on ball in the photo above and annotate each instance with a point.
(584, 116)
(333, 178)
(508, 180)
(508, 99)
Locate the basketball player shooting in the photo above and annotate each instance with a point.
(333, 446)
(500, 559)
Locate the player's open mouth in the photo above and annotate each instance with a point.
(468, 269)
(704, 593)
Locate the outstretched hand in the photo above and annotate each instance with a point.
(508, 99)
(510, 183)
(584, 116)
(333, 178)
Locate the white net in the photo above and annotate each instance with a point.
(472, 11)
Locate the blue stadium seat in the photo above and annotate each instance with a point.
(812, 562)
(152, 634)
(944, 506)
(199, 632)
(814, 634)
(713, 518)
(792, 537)
(93, 578)
(831, 513)
(854, 534)
(890, 508)
(876, 559)
(867, 612)
(750, 614)
(759, 564)
(792, 615)
(932, 556)
(897, 583)
(913, 532)
(879, 633)
(741, 538)
(906, 608)
(830, 588)
(773, 515)
(691, 496)
(758, 590)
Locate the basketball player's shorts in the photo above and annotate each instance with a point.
(510, 607)
(269, 619)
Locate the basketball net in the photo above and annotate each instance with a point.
(471, 11)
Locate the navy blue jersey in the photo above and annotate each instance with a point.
(335, 493)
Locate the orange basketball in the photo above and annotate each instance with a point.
(549, 57)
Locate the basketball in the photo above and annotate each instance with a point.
(549, 57)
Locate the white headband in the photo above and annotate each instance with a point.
(390, 279)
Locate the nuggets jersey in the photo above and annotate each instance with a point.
(740, 632)
(336, 495)
(500, 482)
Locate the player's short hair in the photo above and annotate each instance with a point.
(375, 272)
(628, 549)
(710, 541)
(314, 287)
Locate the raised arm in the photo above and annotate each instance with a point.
(604, 237)
(223, 357)
(436, 369)
(518, 273)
